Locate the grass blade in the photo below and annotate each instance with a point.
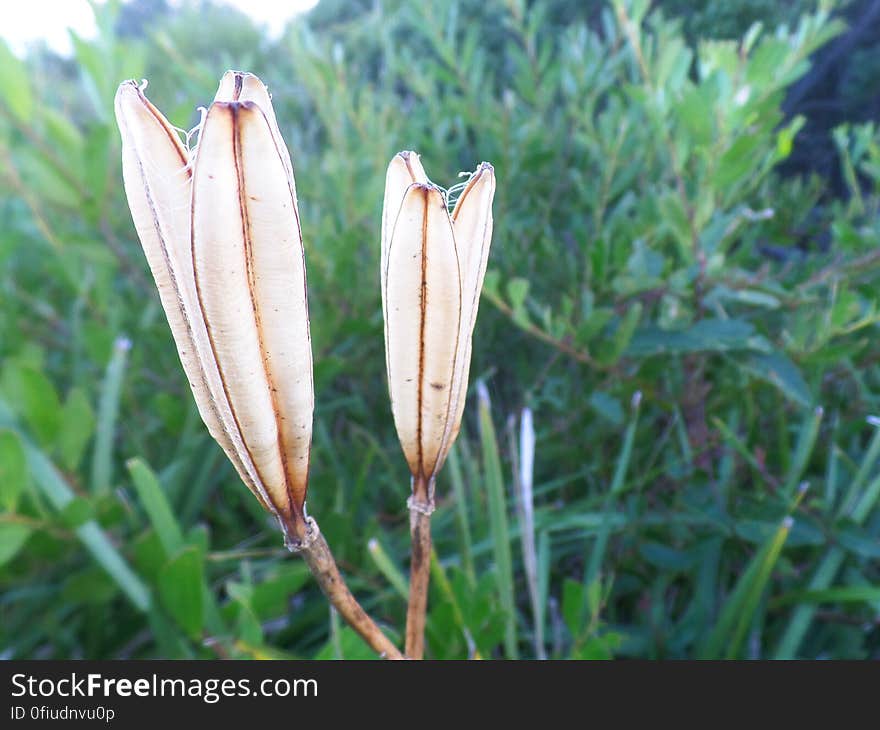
(441, 580)
(843, 594)
(739, 609)
(462, 518)
(730, 437)
(387, 568)
(832, 469)
(803, 615)
(790, 642)
(53, 486)
(617, 487)
(156, 505)
(804, 449)
(869, 461)
(108, 411)
(498, 520)
(164, 522)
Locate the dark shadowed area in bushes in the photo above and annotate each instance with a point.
(682, 291)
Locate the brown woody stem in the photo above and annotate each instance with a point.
(314, 549)
(421, 504)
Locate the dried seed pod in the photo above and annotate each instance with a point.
(221, 234)
(432, 269)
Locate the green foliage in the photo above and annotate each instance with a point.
(693, 333)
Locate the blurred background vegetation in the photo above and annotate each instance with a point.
(682, 301)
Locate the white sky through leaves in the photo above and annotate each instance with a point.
(49, 20)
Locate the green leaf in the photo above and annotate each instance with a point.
(739, 161)
(13, 536)
(347, 645)
(806, 442)
(92, 64)
(617, 487)
(667, 558)
(707, 335)
(517, 291)
(644, 270)
(492, 283)
(34, 398)
(599, 648)
(248, 626)
(77, 427)
(614, 348)
(841, 594)
(42, 174)
(462, 512)
(751, 297)
(108, 411)
(694, 112)
(386, 566)
(592, 325)
(14, 477)
(61, 132)
(76, 513)
(607, 406)
(95, 164)
(777, 369)
(91, 587)
(673, 216)
(15, 89)
(180, 590)
(573, 601)
(50, 482)
(156, 505)
(498, 523)
(739, 609)
(149, 555)
(859, 542)
(270, 598)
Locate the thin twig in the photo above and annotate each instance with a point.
(561, 345)
(421, 504)
(318, 557)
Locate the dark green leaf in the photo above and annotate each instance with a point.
(14, 475)
(180, 590)
(13, 536)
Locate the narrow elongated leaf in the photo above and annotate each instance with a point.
(776, 368)
(77, 426)
(498, 522)
(15, 88)
(156, 505)
(108, 410)
(707, 335)
(14, 475)
(180, 589)
(732, 624)
(13, 536)
(50, 482)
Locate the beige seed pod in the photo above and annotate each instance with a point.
(432, 270)
(222, 236)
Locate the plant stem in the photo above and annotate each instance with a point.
(421, 504)
(314, 549)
